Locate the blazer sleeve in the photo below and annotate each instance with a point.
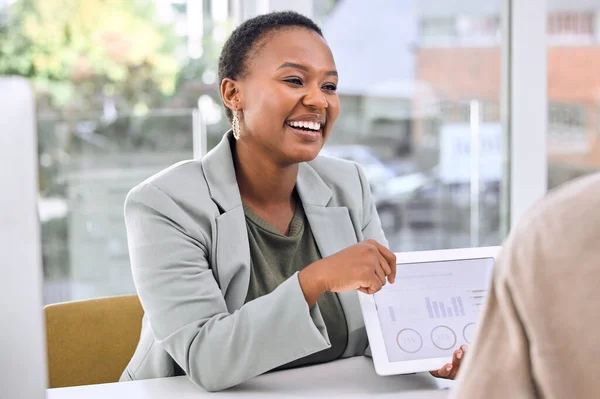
(187, 310)
(371, 224)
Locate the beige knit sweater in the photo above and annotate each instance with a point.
(539, 335)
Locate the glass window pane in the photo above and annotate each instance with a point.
(417, 79)
(118, 85)
(87, 165)
(573, 86)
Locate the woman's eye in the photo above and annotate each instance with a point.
(330, 87)
(295, 81)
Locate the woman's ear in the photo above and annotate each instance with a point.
(230, 93)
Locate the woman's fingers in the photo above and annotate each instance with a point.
(384, 265)
(443, 372)
(450, 370)
(390, 260)
(458, 356)
(380, 274)
(392, 276)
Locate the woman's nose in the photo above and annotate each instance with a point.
(315, 98)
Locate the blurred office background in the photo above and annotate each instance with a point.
(128, 87)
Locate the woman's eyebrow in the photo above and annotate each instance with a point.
(303, 68)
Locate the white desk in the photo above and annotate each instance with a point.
(354, 377)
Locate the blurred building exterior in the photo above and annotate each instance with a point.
(458, 55)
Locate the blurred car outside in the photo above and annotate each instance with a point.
(378, 174)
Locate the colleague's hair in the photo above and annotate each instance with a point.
(233, 61)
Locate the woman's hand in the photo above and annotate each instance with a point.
(364, 266)
(450, 370)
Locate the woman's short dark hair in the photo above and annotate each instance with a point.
(234, 55)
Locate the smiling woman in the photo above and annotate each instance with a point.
(248, 260)
(288, 87)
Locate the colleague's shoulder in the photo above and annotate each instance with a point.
(574, 202)
(564, 224)
(579, 194)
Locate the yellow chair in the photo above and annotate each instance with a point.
(91, 342)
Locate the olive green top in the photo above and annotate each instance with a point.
(276, 257)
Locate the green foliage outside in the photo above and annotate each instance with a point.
(76, 53)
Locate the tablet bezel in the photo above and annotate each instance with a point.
(374, 332)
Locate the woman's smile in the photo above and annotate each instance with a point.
(308, 127)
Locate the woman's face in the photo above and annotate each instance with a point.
(288, 98)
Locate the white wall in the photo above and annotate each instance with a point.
(22, 338)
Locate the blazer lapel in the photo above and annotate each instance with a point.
(230, 247)
(333, 231)
(331, 225)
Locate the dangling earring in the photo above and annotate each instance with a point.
(236, 125)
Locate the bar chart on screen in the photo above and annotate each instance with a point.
(454, 306)
(437, 310)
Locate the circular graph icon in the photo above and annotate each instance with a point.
(409, 340)
(468, 332)
(443, 337)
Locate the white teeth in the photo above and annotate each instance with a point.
(306, 125)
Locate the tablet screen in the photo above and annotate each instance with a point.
(432, 307)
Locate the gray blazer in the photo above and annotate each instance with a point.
(190, 260)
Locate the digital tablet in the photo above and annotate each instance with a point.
(432, 309)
